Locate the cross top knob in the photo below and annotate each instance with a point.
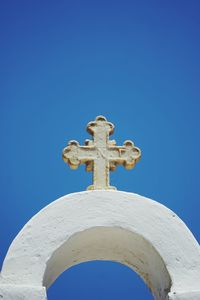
(101, 155)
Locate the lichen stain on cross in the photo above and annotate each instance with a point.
(101, 155)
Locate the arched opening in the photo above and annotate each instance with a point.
(112, 244)
(99, 280)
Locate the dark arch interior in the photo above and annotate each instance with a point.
(99, 280)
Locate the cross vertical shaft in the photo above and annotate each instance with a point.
(101, 163)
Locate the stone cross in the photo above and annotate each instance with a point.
(101, 155)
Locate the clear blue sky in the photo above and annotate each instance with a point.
(63, 63)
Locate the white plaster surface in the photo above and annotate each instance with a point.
(105, 225)
(14, 292)
(192, 295)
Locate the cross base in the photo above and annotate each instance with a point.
(94, 187)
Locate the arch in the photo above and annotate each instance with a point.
(113, 244)
(108, 225)
(99, 279)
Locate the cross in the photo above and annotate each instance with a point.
(101, 155)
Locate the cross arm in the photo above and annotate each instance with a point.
(126, 155)
(75, 155)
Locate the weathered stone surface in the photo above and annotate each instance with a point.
(100, 154)
(105, 225)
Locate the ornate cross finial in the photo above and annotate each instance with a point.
(100, 154)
